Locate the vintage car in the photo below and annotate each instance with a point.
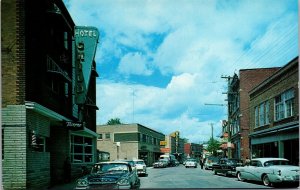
(226, 166)
(270, 171)
(191, 162)
(209, 161)
(161, 163)
(109, 175)
(141, 167)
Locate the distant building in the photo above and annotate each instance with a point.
(173, 144)
(128, 141)
(193, 150)
(274, 115)
(42, 123)
(238, 109)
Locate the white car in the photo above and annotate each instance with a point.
(141, 167)
(269, 170)
(191, 163)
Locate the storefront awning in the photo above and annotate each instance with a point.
(45, 111)
(86, 132)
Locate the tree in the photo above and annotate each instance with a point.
(213, 146)
(114, 121)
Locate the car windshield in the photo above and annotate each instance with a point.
(234, 161)
(109, 167)
(139, 162)
(191, 160)
(162, 160)
(276, 162)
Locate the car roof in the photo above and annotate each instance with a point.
(263, 160)
(113, 162)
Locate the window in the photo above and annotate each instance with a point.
(267, 112)
(2, 144)
(107, 135)
(284, 105)
(262, 114)
(100, 136)
(81, 149)
(256, 116)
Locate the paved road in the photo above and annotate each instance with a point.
(181, 177)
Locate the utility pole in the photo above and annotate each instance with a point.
(229, 119)
(212, 130)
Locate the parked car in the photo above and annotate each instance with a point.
(141, 167)
(209, 161)
(269, 171)
(132, 164)
(191, 162)
(161, 163)
(171, 159)
(177, 162)
(227, 166)
(109, 175)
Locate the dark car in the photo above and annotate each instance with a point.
(110, 175)
(226, 166)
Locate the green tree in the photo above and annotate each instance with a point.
(114, 121)
(213, 146)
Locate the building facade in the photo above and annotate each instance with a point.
(238, 109)
(43, 122)
(130, 141)
(274, 115)
(173, 144)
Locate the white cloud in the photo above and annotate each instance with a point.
(134, 63)
(202, 41)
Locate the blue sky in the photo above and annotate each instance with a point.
(160, 61)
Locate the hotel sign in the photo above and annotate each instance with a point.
(86, 39)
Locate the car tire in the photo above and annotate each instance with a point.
(239, 176)
(266, 180)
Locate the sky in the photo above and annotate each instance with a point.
(161, 61)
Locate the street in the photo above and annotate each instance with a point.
(181, 177)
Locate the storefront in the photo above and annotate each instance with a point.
(281, 141)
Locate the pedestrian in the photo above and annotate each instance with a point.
(201, 163)
(247, 161)
(67, 170)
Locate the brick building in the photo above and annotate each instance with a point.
(274, 115)
(45, 117)
(238, 109)
(128, 141)
(193, 150)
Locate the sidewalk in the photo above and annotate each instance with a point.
(65, 186)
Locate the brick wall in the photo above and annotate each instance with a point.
(249, 78)
(38, 163)
(14, 163)
(9, 60)
(286, 81)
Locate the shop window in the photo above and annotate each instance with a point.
(81, 149)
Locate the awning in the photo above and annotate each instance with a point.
(85, 132)
(45, 111)
(227, 145)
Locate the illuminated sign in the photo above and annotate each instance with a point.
(163, 143)
(86, 39)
